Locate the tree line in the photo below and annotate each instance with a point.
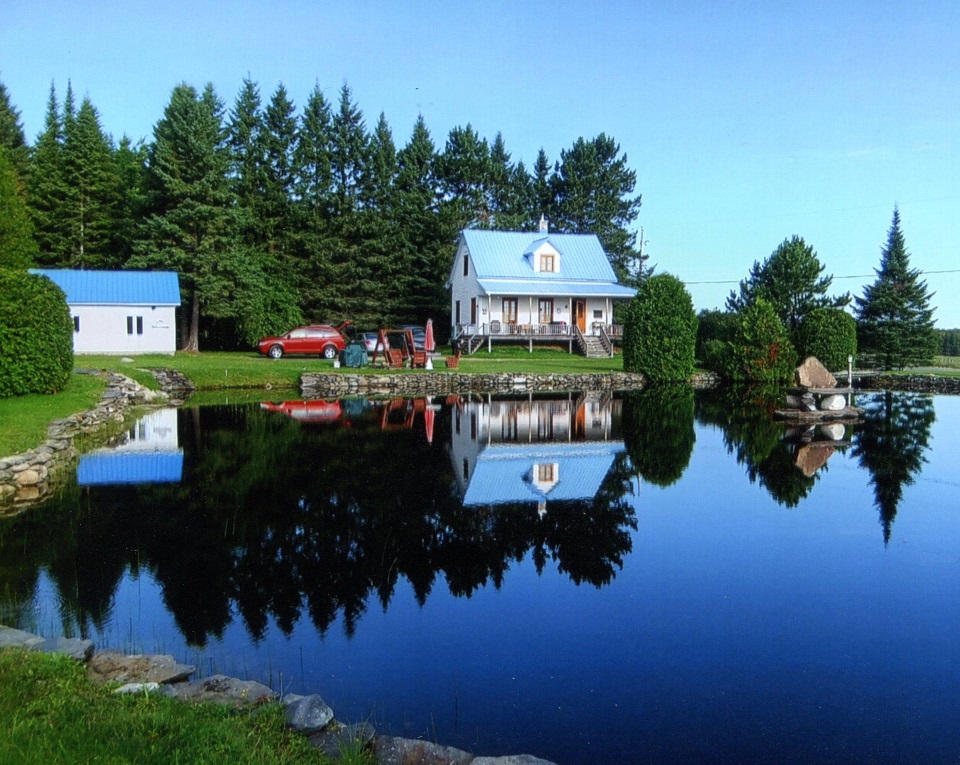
(274, 216)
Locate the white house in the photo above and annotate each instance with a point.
(120, 312)
(532, 285)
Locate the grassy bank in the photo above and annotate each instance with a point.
(52, 713)
(26, 418)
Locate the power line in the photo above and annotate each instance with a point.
(849, 276)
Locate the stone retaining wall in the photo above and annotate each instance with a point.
(29, 477)
(918, 383)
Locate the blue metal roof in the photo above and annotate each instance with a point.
(502, 472)
(115, 287)
(555, 287)
(505, 254)
(129, 468)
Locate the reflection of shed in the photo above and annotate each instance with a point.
(148, 453)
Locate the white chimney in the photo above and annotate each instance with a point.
(544, 226)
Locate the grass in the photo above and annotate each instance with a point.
(52, 713)
(947, 362)
(26, 418)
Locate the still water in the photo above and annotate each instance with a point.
(654, 577)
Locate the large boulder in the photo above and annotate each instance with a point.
(115, 667)
(219, 689)
(812, 374)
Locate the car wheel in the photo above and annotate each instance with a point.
(329, 352)
(275, 352)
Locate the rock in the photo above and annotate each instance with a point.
(405, 751)
(308, 714)
(114, 667)
(12, 638)
(833, 403)
(28, 477)
(515, 759)
(221, 689)
(137, 688)
(337, 737)
(833, 431)
(805, 402)
(812, 374)
(811, 457)
(75, 648)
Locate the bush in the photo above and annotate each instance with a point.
(660, 333)
(761, 350)
(715, 330)
(36, 335)
(829, 334)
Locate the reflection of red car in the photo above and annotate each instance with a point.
(318, 412)
(320, 339)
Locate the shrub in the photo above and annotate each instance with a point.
(36, 335)
(761, 350)
(659, 433)
(660, 333)
(829, 334)
(715, 330)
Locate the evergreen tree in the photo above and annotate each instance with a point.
(464, 175)
(12, 137)
(543, 194)
(278, 141)
(790, 280)
(349, 152)
(17, 247)
(244, 127)
(189, 226)
(894, 314)
(130, 162)
(46, 190)
(661, 331)
(383, 165)
(93, 189)
(593, 189)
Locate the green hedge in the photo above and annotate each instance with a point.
(660, 332)
(829, 334)
(36, 335)
(761, 350)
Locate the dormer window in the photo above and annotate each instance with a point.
(547, 263)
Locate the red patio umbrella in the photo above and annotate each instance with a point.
(429, 344)
(428, 415)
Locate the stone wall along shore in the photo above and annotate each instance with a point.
(917, 383)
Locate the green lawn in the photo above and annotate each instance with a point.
(52, 713)
(25, 419)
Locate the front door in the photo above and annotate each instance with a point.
(580, 314)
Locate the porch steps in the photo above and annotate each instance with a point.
(593, 348)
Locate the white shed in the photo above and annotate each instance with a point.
(120, 312)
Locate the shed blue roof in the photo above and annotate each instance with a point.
(129, 468)
(115, 287)
(501, 474)
(504, 254)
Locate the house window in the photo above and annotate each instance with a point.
(130, 324)
(546, 310)
(473, 310)
(76, 323)
(456, 311)
(598, 314)
(466, 265)
(547, 263)
(545, 472)
(509, 310)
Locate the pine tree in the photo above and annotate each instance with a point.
(349, 155)
(190, 223)
(278, 142)
(465, 177)
(93, 192)
(383, 165)
(130, 162)
(46, 190)
(244, 127)
(895, 320)
(593, 189)
(17, 247)
(790, 280)
(543, 196)
(12, 137)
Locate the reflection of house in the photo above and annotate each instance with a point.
(534, 450)
(534, 286)
(120, 311)
(149, 453)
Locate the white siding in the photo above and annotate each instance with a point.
(103, 329)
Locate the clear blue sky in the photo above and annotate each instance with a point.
(746, 122)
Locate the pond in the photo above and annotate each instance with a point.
(648, 577)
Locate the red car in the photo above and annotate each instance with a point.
(321, 339)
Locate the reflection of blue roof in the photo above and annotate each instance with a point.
(115, 287)
(502, 472)
(129, 467)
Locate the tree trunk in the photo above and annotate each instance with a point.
(191, 340)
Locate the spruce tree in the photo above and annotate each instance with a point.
(17, 247)
(46, 190)
(543, 196)
(278, 141)
(244, 126)
(895, 320)
(465, 177)
(12, 137)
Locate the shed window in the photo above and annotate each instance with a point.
(130, 324)
(76, 323)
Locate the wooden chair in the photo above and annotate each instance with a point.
(453, 362)
(419, 359)
(395, 358)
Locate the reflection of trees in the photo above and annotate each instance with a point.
(275, 519)
(890, 441)
(658, 431)
(750, 433)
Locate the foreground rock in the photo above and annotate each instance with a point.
(115, 667)
(220, 689)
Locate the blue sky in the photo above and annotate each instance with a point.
(746, 122)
